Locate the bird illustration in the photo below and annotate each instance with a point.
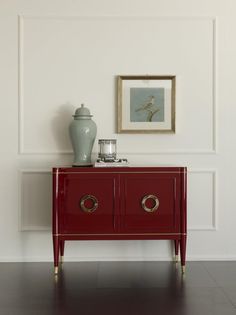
(150, 107)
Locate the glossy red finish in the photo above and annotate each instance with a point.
(73, 187)
(166, 187)
(183, 219)
(176, 245)
(62, 247)
(117, 195)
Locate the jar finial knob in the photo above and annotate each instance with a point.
(82, 113)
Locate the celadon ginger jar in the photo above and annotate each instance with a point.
(83, 132)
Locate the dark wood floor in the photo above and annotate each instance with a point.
(115, 288)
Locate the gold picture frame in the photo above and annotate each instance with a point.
(146, 103)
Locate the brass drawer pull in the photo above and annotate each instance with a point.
(156, 203)
(88, 197)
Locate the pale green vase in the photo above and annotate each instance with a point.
(83, 132)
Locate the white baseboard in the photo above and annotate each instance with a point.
(94, 259)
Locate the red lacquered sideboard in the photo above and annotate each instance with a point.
(119, 203)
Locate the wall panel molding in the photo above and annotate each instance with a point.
(21, 106)
(21, 224)
(214, 211)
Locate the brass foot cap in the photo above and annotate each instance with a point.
(62, 259)
(183, 270)
(55, 270)
(176, 258)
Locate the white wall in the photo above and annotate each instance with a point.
(57, 54)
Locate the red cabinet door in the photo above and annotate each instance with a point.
(87, 203)
(151, 203)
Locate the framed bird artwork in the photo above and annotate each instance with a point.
(146, 104)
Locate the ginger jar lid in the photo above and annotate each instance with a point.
(82, 112)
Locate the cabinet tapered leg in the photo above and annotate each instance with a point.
(183, 252)
(62, 247)
(56, 253)
(176, 242)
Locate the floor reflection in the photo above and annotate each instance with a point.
(120, 288)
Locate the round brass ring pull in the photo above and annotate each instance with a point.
(156, 203)
(88, 197)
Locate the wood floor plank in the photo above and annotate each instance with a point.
(117, 288)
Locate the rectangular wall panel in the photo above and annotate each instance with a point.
(202, 212)
(66, 61)
(35, 200)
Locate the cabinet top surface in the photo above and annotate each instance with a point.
(130, 169)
